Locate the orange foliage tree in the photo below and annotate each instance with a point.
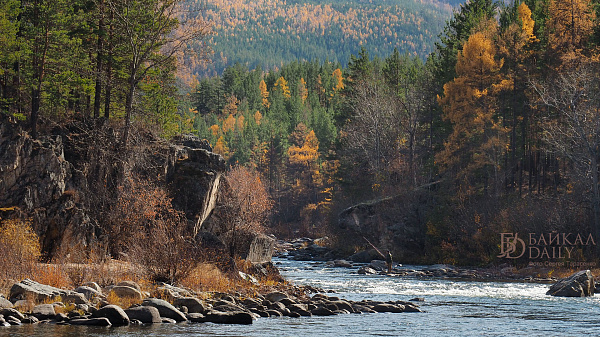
(474, 149)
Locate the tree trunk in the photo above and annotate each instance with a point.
(99, 56)
(595, 198)
(109, 65)
(128, 108)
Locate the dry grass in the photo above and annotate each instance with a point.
(123, 302)
(207, 277)
(53, 275)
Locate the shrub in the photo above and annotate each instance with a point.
(152, 234)
(19, 249)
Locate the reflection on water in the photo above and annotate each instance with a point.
(453, 308)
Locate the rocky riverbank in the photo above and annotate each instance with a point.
(369, 262)
(126, 303)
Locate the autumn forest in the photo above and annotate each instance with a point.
(479, 120)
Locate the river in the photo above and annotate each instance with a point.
(452, 308)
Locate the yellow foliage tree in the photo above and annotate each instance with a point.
(570, 25)
(338, 80)
(257, 117)
(282, 85)
(214, 129)
(221, 148)
(527, 22)
(264, 93)
(302, 91)
(229, 124)
(231, 108)
(474, 148)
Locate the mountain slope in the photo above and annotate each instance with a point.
(272, 32)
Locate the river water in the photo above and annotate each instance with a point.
(452, 308)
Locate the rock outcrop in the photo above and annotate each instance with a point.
(59, 180)
(394, 223)
(580, 284)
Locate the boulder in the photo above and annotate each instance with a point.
(364, 256)
(342, 263)
(580, 284)
(101, 321)
(89, 292)
(43, 311)
(378, 265)
(387, 307)
(4, 303)
(114, 313)
(30, 320)
(276, 296)
(322, 311)
(229, 317)
(366, 270)
(127, 292)
(28, 289)
(93, 285)
(144, 314)
(75, 298)
(196, 317)
(130, 284)
(193, 304)
(170, 293)
(7, 312)
(165, 309)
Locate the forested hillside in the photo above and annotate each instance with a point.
(272, 32)
(498, 125)
(496, 131)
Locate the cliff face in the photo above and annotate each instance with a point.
(65, 182)
(395, 224)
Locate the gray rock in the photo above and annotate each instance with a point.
(387, 307)
(12, 312)
(276, 296)
(89, 292)
(30, 289)
(366, 270)
(167, 320)
(274, 313)
(101, 321)
(60, 317)
(131, 284)
(171, 292)
(165, 309)
(93, 285)
(30, 320)
(144, 314)
(343, 305)
(364, 256)
(378, 265)
(362, 309)
(342, 264)
(43, 311)
(322, 311)
(74, 297)
(229, 317)
(580, 284)
(13, 320)
(4, 303)
(196, 317)
(127, 292)
(114, 313)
